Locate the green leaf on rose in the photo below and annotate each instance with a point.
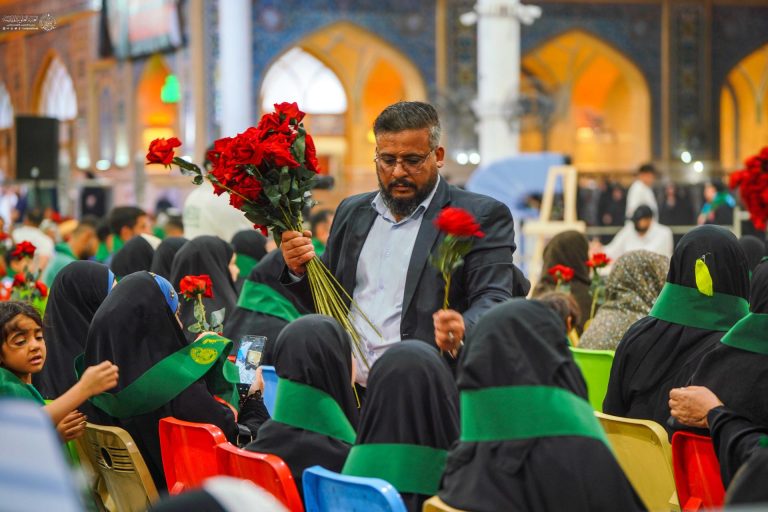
(194, 328)
(217, 317)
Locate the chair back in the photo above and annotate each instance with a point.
(123, 481)
(326, 491)
(435, 504)
(188, 452)
(643, 452)
(697, 472)
(269, 375)
(33, 472)
(267, 471)
(595, 365)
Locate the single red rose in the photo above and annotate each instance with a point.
(244, 150)
(291, 111)
(598, 260)
(192, 286)
(41, 288)
(459, 223)
(561, 273)
(261, 228)
(19, 279)
(4, 236)
(161, 151)
(278, 151)
(272, 123)
(310, 153)
(23, 250)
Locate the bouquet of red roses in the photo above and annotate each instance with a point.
(26, 285)
(195, 288)
(752, 182)
(268, 171)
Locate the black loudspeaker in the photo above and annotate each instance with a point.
(37, 148)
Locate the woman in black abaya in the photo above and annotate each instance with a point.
(212, 256)
(163, 259)
(250, 248)
(704, 296)
(316, 412)
(754, 249)
(410, 418)
(529, 439)
(134, 256)
(77, 292)
(137, 328)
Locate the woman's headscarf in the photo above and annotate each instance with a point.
(743, 352)
(522, 344)
(705, 294)
(754, 249)
(77, 292)
(569, 248)
(411, 399)
(311, 352)
(134, 256)
(250, 248)
(205, 255)
(163, 258)
(631, 289)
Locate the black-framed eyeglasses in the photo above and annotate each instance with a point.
(412, 164)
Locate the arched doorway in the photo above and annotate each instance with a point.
(372, 74)
(588, 100)
(744, 110)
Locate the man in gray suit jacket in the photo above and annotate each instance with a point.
(380, 244)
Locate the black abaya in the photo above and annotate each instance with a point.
(134, 256)
(164, 254)
(205, 255)
(77, 292)
(523, 343)
(657, 355)
(314, 351)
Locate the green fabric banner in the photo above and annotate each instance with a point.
(261, 298)
(750, 334)
(687, 306)
(509, 413)
(11, 385)
(408, 467)
(169, 377)
(308, 408)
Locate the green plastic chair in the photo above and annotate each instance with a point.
(595, 365)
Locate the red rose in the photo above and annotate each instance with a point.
(192, 286)
(244, 150)
(249, 188)
(263, 229)
(161, 151)
(459, 223)
(291, 111)
(278, 151)
(272, 123)
(4, 236)
(41, 288)
(598, 260)
(310, 154)
(23, 249)
(561, 273)
(19, 280)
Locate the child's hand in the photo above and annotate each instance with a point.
(99, 378)
(72, 426)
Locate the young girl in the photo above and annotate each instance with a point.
(22, 353)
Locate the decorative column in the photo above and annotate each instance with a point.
(235, 66)
(498, 73)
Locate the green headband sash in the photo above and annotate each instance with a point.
(408, 467)
(167, 378)
(261, 298)
(749, 334)
(687, 306)
(245, 263)
(308, 408)
(511, 413)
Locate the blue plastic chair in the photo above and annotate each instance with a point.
(326, 491)
(269, 375)
(34, 474)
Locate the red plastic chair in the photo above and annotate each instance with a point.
(697, 472)
(267, 471)
(188, 452)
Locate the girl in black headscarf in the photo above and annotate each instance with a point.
(77, 292)
(134, 256)
(212, 256)
(161, 374)
(754, 249)
(569, 248)
(163, 259)
(315, 412)
(263, 309)
(410, 419)
(704, 296)
(250, 248)
(529, 439)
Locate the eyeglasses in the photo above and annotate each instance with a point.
(412, 164)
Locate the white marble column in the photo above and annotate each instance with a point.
(498, 70)
(235, 66)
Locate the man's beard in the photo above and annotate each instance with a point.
(404, 207)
